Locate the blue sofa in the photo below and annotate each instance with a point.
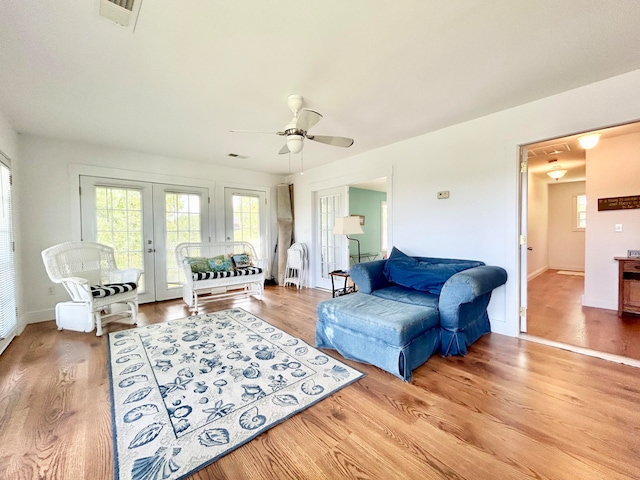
(407, 309)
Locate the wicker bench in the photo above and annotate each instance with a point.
(223, 279)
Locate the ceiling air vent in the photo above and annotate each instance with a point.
(123, 12)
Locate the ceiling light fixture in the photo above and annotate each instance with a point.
(589, 141)
(556, 171)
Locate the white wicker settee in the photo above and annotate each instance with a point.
(209, 269)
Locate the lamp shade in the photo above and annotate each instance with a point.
(347, 226)
(294, 143)
(557, 173)
(589, 141)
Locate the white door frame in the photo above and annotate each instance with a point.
(522, 240)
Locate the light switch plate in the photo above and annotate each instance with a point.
(444, 194)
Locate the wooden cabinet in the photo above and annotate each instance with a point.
(628, 285)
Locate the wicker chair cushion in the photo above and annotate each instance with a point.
(233, 273)
(101, 291)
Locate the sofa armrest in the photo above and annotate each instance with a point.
(369, 276)
(465, 287)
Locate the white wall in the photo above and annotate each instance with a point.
(8, 138)
(49, 199)
(613, 170)
(537, 226)
(478, 162)
(566, 245)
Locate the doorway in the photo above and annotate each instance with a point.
(144, 222)
(370, 201)
(569, 278)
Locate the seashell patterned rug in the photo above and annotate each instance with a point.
(188, 391)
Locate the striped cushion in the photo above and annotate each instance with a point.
(101, 291)
(233, 273)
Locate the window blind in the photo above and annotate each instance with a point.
(8, 318)
(128, 4)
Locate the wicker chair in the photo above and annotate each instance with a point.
(89, 273)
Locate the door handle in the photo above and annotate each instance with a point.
(529, 248)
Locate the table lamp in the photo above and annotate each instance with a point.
(348, 226)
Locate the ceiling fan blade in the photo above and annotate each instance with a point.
(254, 131)
(329, 140)
(307, 119)
(284, 149)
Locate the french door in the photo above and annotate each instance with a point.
(144, 222)
(245, 218)
(330, 204)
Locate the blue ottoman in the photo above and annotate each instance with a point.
(396, 337)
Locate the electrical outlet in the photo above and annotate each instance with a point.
(444, 194)
(50, 291)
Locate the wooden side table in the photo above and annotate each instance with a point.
(628, 285)
(344, 290)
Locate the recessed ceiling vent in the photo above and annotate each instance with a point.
(549, 150)
(123, 12)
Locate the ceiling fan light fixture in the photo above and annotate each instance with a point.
(294, 143)
(589, 141)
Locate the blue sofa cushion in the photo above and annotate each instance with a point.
(393, 323)
(407, 295)
(426, 276)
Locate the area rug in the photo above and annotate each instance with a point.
(571, 272)
(186, 392)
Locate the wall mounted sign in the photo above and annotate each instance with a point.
(619, 203)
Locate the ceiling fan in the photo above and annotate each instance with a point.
(296, 130)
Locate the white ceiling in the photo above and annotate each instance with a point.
(379, 71)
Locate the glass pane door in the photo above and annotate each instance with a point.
(119, 214)
(245, 218)
(181, 216)
(144, 222)
(330, 204)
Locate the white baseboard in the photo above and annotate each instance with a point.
(571, 268)
(536, 273)
(39, 316)
(599, 303)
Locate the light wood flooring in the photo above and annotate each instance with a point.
(555, 312)
(510, 409)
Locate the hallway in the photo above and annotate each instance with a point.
(555, 312)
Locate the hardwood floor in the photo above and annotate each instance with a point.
(510, 409)
(555, 312)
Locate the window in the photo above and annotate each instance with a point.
(8, 320)
(579, 212)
